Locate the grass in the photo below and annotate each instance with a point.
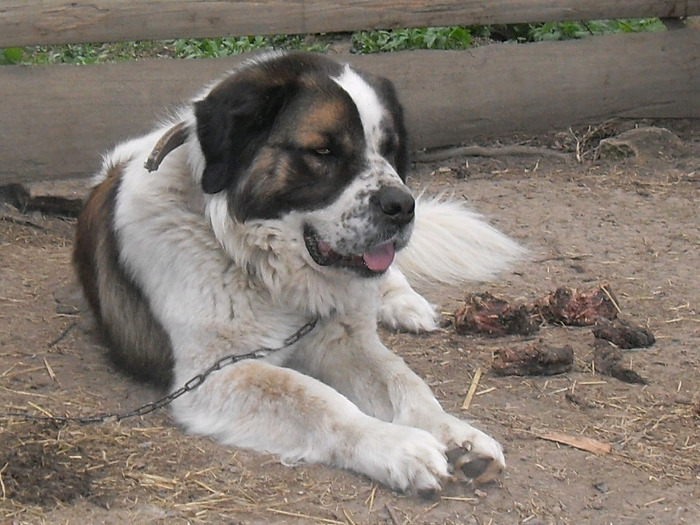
(382, 41)
(572, 30)
(361, 42)
(82, 54)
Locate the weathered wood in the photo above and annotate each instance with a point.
(55, 121)
(63, 22)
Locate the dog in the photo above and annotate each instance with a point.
(276, 199)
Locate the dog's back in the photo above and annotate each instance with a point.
(137, 342)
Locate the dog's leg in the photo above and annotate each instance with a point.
(381, 384)
(402, 308)
(257, 405)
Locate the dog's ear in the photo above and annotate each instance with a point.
(233, 121)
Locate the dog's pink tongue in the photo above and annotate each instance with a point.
(380, 258)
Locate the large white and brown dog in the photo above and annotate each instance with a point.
(276, 198)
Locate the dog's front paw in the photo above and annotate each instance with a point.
(475, 465)
(472, 454)
(404, 458)
(402, 308)
(409, 312)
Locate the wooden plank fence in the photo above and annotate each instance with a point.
(61, 21)
(56, 120)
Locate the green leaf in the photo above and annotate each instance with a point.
(13, 55)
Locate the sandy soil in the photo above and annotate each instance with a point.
(629, 222)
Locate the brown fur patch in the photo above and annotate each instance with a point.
(322, 120)
(279, 389)
(92, 222)
(138, 343)
(272, 172)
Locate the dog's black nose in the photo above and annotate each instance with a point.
(396, 204)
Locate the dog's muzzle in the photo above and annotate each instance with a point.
(393, 210)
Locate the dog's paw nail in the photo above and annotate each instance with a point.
(467, 465)
(454, 454)
(432, 494)
(476, 467)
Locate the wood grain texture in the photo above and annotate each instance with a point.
(64, 22)
(56, 121)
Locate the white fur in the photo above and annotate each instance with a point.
(450, 244)
(217, 287)
(370, 109)
(402, 308)
(453, 244)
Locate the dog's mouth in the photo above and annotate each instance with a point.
(375, 261)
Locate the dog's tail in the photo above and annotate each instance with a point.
(452, 244)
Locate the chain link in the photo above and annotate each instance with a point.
(194, 383)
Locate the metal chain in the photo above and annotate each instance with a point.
(192, 384)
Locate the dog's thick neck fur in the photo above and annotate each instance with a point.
(271, 253)
(263, 249)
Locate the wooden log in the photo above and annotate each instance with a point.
(56, 121)
(64, 22)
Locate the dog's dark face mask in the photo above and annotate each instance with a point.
(281, 135)
(299, 134)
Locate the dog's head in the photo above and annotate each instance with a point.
(299, 134)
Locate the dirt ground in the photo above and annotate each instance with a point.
(628, 219)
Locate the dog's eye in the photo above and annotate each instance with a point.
(323, 151)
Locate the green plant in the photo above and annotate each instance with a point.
(217, 47)
(571, 30)
(381, 41)
(11, 55)
(363, 42)
(181, 48)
